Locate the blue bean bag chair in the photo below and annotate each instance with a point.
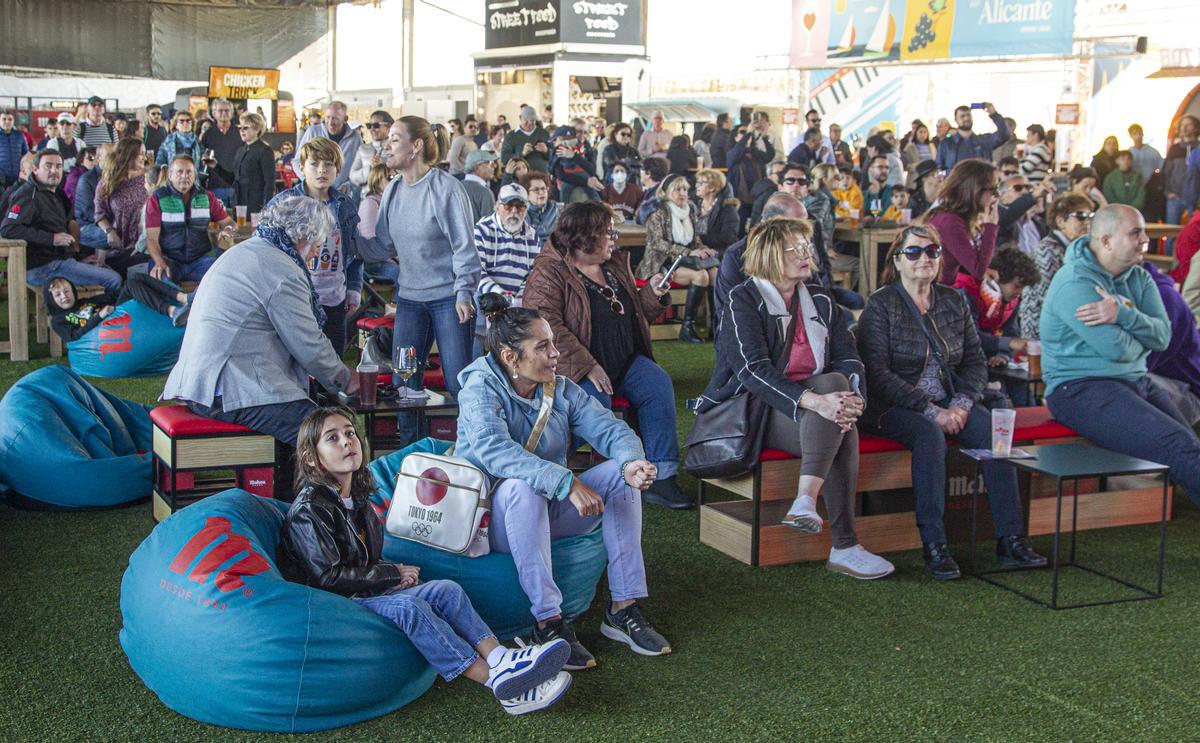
(214, 630)
(67, 444)
(134, 341)
(491, 581)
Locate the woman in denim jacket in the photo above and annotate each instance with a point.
(539, 498)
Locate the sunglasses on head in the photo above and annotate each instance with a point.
(1082, 216)
(913, 252)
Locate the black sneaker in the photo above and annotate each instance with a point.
(555, 629)
(630, 627)
(1016, 552)
(939, 562)
(666, 493)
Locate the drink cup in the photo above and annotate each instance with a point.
(255, 218)
(241, 215)
(1003, 423)
(905, 216)
(368, 375)
(1035, 358)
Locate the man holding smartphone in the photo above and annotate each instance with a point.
(964, 143)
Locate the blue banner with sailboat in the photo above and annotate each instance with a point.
(827, 33)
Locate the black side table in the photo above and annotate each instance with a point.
(1075, 462)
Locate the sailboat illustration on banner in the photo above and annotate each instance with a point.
(847, 42)
(883, 36)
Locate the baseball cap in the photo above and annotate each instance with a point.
(528, 114)
(64, 116)
(95, 99)
(480, 156)
(564, 131)
(513, 192)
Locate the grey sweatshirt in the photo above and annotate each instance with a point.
(429, 226)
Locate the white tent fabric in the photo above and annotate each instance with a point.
(130, 93)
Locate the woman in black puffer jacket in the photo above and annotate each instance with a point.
(921, 393)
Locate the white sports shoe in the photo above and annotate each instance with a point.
(539, 697)
(527, 666)
(856, 562)
(803, 516)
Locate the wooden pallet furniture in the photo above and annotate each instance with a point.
(17, 345)
(746, 526)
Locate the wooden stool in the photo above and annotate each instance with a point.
(193, 456)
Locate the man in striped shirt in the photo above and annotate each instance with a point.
(507, 246)
(94, 129)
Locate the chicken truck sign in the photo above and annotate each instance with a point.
(516, 23)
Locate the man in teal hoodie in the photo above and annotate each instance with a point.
(1102, 317)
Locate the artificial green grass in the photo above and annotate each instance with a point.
(792, 652)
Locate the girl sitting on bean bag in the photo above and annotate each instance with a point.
(332, 539)
(71, 317)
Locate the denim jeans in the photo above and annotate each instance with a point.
(419, 324)
(225, 194)
(180, 270)
(382, 271)
(79, 274)
(1134, 418)
(1175, 210)
(847, 298)
(91, 236)
(650, 391)
(928, 445)
(524, 523)
(335, 327)
(439, 620)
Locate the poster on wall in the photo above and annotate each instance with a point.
(242, 83)
(832, 32)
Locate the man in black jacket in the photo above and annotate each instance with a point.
(40, 214)
(721, 140)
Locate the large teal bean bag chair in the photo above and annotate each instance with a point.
(134, 341)
(214, 630)
(491, 581)
(67, 444)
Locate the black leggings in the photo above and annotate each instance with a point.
(157, 295)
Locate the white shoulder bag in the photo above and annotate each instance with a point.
(444, 501)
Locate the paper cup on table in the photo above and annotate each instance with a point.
(1004, 422)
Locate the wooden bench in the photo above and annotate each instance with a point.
(41, 316)
(747, 526)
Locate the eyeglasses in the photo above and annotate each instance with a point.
(1007, 173)
(1019, 188)
(374, 124)
(801, 249)
(183, 121)
(244, 127)
(614, 304)
(795, 181)
(815, 120)
(913, 252)
(1082, 216)
(613, 235)
(154, 113)
(542, 189)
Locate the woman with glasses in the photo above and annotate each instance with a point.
(785, 341)
(374, 149)
(581, 284)
(1069, 219)
(621, 149)
(462, 145)
(967, 217)
(181, 141)
(253, 174)
(926, 375)
(543, 211)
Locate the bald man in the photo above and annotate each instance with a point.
(1102, 317)
(336, 126)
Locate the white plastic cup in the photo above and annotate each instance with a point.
(905, 216)
(241, 215)
(255, 218)
(1004, 422)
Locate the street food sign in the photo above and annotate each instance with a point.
(516, 23)
(242, 82)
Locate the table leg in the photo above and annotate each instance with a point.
(1162, 535)
(1074, 521)
(974, 512)
(18, 307)
(1057, 534)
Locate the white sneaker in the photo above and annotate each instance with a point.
(856, 562)
(539, 697)
(803, 516)
(527, 666)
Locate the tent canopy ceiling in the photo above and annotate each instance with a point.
(164, 39)
(677, 110)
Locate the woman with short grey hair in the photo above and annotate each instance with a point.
(254, 334)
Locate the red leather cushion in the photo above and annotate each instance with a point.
(435, 378)
(1048, 430)
(867, 444)
(639, 283)
(371, 323)
(775, 455)
(620, 403)
(177, 420)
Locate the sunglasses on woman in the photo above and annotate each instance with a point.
(614, 304)
(1082, 216)
(913, 252)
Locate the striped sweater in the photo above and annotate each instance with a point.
(506, 258)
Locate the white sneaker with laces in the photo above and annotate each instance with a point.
(527, 666)
(539, 697)
(856, 562)
(803, 516)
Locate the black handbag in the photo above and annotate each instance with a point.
(727, 438)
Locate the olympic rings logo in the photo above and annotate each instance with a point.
(421, 530)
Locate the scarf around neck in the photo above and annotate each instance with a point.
(681, 224)
(818, 334)
(279, 239)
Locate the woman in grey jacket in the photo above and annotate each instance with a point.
(539, 497)
(254, 331)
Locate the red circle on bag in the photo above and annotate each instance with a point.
(430, 493)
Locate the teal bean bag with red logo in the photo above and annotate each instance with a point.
(134, 341)
(491, 580)
(214, 630)
(65, 444)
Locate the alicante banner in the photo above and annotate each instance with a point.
(833, 32)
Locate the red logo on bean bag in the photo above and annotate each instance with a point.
(430, 493)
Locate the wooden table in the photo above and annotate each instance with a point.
(17, 345)
(630, 234)
(873, 241)
(1159, 230)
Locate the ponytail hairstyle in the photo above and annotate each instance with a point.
(508, 326)
(308, 460)
(433, 138)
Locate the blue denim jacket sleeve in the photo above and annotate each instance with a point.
(596, 424)
(483, 419)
